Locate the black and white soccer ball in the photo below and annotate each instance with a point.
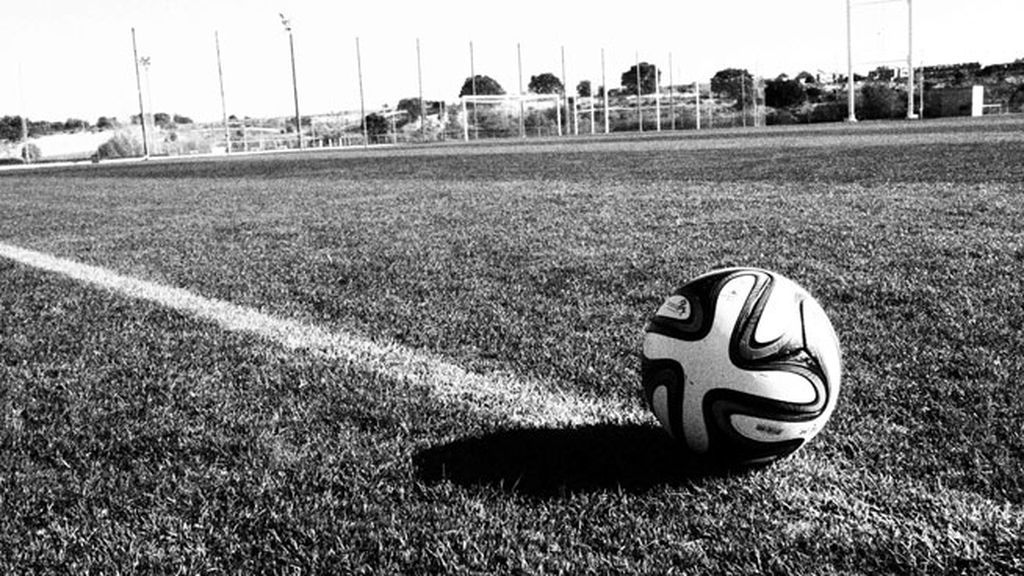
(741, 365)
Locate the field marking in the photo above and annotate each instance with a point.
(520, 400)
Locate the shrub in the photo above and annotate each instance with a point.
(783, 93)
(781, 118)
(1016, 103)
(880, 102)
(120, 145)
(30, 153)
(829, 112)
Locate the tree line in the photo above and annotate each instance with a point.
(11, 126)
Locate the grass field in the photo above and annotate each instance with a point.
(136, 437)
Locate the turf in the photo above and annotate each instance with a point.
(134, 435)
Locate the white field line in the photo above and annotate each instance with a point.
(521, 401)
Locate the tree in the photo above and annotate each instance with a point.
(43, 127)
(162, 119)
(584, 89)
(485, 86)
(806, 78)
(649, 76)
(411, 107)
(10, 128)
(735, 84)
(75, 125)
(879, 101)
(882, 74)
(783, 92)
(182, 119)
(376, 125)
(546, 83)
(105, 123)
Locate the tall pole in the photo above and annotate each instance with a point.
(696, 91)
(145, 61)
(362, 98)
(565, 94)
(657, 99)
(419, 77)
(910, 60)
(522, 107)
(295, 88)
(743, 96)
(639, 94)
(671, 94)
(223, 104)
(920, 92)
(295, 83)
(593, 129)
(472, 81)
(24, 112)
(138, 87)
(850, 97)
(604, 92)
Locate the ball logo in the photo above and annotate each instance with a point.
(741, 365)
(677, 307)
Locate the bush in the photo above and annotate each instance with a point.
(781, 118)
(30, 153)
(829, 112)
(120, 145)
(880, 102)
(1016, 103)
(784, 93)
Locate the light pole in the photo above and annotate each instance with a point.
(295, 84)
(850, 96)
(145, 61)
(138, 87)
(223, 104)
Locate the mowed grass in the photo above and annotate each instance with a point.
(136, 437)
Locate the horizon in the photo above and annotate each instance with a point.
(66, 60)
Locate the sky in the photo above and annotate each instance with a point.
(64, 59)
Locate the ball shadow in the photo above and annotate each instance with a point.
(558, 461)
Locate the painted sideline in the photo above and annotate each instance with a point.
(522, 401)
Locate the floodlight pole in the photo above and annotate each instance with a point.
(604, 91)
(362, 99)
(743, 95)
(671, 99)
(472, 82)
(295, 83)
(145, 61)
(910, 60)
(639, 94)
(138, 88)
(419, 76)
(696, 91)
(657, 99)
(223, 105)
(24, 112)
(920, 93)
(565, 94)
(522, 106)
(850, 96)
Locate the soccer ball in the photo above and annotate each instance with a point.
(741, 366)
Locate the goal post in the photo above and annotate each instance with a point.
(493, 115)
(908, 61)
